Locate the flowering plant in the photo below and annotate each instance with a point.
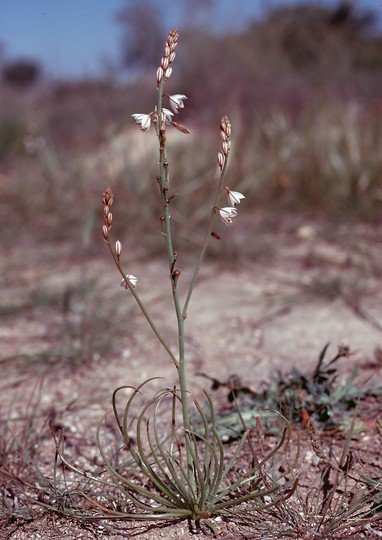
(186, 472)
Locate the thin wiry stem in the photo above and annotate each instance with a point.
(206, 240)
(141, 305)
(164, 185)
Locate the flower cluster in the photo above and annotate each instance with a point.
(176, 100)
(225, 135)
(144, 120)
(233, 197)
(165, 69)
(107, 201)
(229, 212)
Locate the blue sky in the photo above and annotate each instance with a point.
(76, 37)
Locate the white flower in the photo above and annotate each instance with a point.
(227, 213)
(132, 280)
(176, 102)
(142, 120)
(166, 115)
(234, 197)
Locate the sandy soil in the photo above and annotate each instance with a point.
(69, 334)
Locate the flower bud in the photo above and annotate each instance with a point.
(225, 127)
(107, 197)
(220, 160)
(225, 148)
(109, 219)
(172, 39)
(175, 276)
(165, 62)
(159, 75)
(180, 128)
(105, 232)
(118, 248)
(106, 210)
(168, 72)
(172, 57)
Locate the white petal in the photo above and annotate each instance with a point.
(132, 280)
(143, 120)
(176, 102)
(167, 114)
(178, 98)
(234, 197)
(229, 210)
(227, 213)
(138, 117)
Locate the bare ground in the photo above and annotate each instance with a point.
(70, 335)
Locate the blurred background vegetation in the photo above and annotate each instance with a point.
(302, 87)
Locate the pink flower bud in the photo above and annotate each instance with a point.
(109, 219)
(107, 197)
(168, 72)
(118, 248)
(105, 232)
(181, 128)
(159, 75)
(221, 160)
(165, 62)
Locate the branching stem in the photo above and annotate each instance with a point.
(141, 305)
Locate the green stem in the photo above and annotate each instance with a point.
(206, 240)
(142, 307)
(164, 184)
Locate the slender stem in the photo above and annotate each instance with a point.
(205, 241)
(142, 307)
(172, 259)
